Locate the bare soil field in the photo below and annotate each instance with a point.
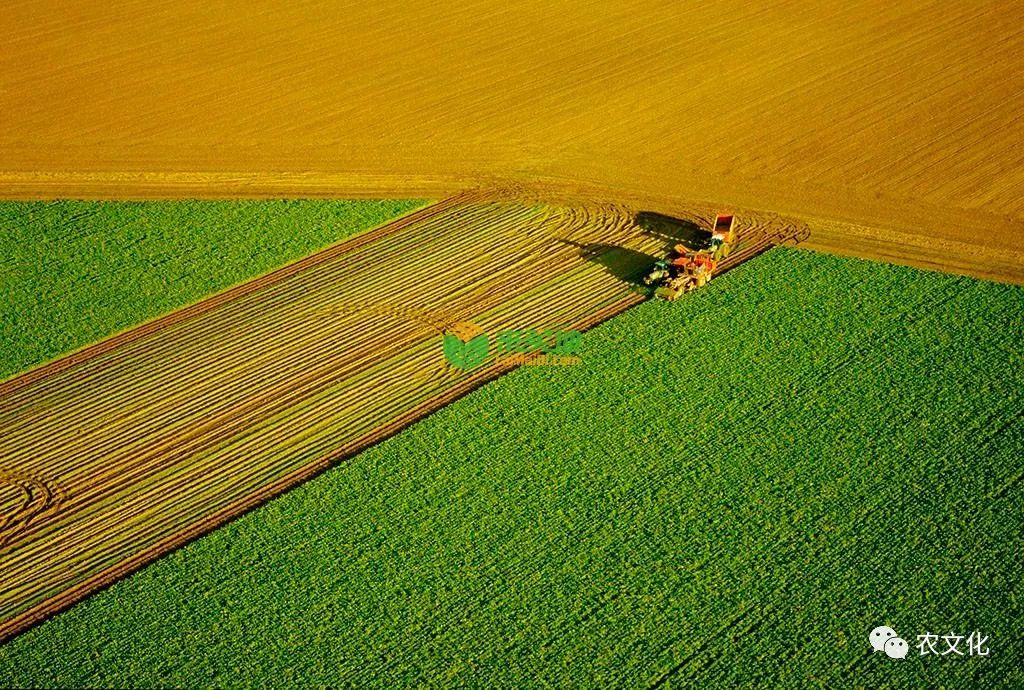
(891, 129)
(218, 406)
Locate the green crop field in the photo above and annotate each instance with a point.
(75, 272)
(731, 489)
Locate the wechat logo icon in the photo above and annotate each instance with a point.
(884, 639)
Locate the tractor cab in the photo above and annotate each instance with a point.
(658, 273)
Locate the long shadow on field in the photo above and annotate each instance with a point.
(673, 230)
(625, 264)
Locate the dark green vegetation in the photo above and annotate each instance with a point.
(74, 272)
(734, 488)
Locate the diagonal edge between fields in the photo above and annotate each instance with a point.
(40, 612)
(210, 302)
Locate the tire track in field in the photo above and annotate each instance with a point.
(121, 451)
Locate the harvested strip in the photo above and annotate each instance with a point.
(121, 451)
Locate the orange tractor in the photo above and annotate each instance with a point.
(686, 269)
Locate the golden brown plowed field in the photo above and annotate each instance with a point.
(118, 452)
(892, 129)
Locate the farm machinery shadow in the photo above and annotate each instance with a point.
(673, 231)
(628, 265)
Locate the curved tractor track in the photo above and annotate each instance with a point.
(126, 449)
